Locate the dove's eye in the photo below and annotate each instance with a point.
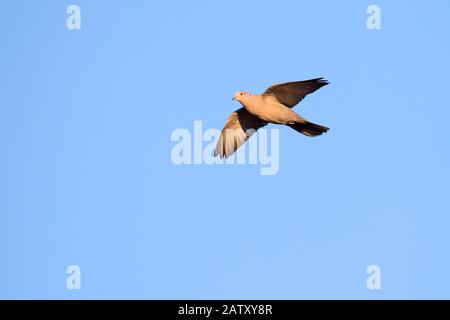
(241, 93)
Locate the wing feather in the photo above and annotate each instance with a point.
(238, 129)
(291, 93)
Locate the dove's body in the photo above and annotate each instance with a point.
(268, 109)
(273, 106)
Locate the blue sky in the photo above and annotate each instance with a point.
(86, 176)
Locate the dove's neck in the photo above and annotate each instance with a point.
(251, 103)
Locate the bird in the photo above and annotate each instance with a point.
(273, 106)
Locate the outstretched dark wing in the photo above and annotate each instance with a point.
(291, 93)
(239, 127)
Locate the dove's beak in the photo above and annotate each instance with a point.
(234, 98)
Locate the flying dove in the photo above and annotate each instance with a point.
(273, 106)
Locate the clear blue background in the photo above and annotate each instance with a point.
(86, 176)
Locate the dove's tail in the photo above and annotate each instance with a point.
(308, 128)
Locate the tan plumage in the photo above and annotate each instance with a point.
(273, 106)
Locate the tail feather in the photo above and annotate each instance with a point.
(309, 129)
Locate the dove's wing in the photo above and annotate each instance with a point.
(291, 93)
(239, 127)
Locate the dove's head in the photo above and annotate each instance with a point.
(241, 96)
